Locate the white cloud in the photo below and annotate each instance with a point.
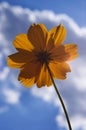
(15, 20)
(78, 121)
(4, 73)
(47, 94)
(79, 75)
(11, 96)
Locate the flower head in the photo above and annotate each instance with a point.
(39, 48)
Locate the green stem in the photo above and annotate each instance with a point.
(60, 98)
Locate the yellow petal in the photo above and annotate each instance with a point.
(49, 43)
(22, 42)
(18, 60)
(64, 52)
(44, 77)
(29, 74)
(37, 34)
(30, 70)
(59, 70)
(26, 81)
(71, 49)
(59, 54)
(58, 34)
(15, 60)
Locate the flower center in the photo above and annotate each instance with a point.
(43, 57)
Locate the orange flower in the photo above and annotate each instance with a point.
(39, 48)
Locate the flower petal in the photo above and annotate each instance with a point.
(30, 70)
(71, 49)
(49, 43)
(29, 73)
(26, 81)
(37, 34)
(59, 54)
(22, 42)
(59, 70)
(58, 34)
(15, 60)
(19, 59)
(44, 77)
(64, 52)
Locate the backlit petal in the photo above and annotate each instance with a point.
(29, 73)
(44, 77)
(58, 34)
(37, 34)
(49, 43)
(59, 54)
(64, 52)
(71, 49)
(26, 81)
(22, 42)
(59, 70)
(30, 70)
(18, 59)
(15, 60)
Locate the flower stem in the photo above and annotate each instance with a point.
(60, 98)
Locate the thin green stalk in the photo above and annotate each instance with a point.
(60, 98)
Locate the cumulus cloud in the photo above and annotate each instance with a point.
(47, 94)
(11, 96)
(15, 20)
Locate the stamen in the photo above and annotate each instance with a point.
(43, 57)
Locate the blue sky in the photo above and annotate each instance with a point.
(33, 108)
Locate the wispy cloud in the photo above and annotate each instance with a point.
(4, 73)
